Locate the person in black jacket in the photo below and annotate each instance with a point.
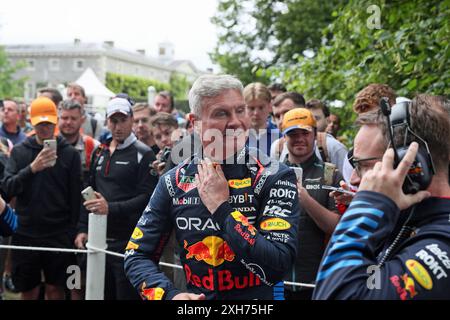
(47, 185)
(122, 176)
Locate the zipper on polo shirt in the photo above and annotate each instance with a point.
(107, 167)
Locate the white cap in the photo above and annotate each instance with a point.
(118, 105)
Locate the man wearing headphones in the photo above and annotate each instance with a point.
(393, 241)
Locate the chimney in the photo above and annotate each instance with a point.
(108, 43)
(76, 41)
(141, 51)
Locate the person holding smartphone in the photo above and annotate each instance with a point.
(44, 174)
(319, 215)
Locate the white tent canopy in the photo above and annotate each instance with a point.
(95, 89)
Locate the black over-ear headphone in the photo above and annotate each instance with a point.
(422, 170)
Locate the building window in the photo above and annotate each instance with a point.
(30, 93)
(78, 65)
(31, 64)
(53, 64)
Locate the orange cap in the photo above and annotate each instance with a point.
(43, 110)
(298, 118)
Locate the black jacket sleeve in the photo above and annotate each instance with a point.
(146, 246)
(15, 177)
(75, 189)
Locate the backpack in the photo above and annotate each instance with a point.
(322, 146)
(93, 125)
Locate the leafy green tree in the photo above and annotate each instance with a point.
(135, 87)
(257, 34)
(10, 87)
(410, 51)
(179, 86)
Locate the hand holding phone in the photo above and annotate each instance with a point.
(46, 158)
(299, 173)
(50, 144)
(341, 190)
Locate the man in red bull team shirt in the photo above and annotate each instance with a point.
(235, 215)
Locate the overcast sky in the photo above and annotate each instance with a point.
(131, 24)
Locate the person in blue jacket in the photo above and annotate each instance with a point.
(235, 216)
(388, 244)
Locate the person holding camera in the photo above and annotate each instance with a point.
(44, 174)
(121, 175)
(394, 239)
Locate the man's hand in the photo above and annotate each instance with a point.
(158, 166)
(212, 185)
(189, 296)
(44, 160)
(303, 195)
(383, 178)
(340, 197)
(2, 205)
(97, 206)
(80, 240)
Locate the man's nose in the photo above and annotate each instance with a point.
(355, 179)
(235, 121)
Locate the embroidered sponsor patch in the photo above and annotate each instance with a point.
(420, 274)
(239, 184)
(137, 234)
(131, 245)
(275, 224)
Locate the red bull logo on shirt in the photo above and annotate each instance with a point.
(225, 280)
(151, 293)
(212, 250)
(239, 217)
(405, 285)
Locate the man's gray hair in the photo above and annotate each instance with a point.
(70, 105)
(208, 86)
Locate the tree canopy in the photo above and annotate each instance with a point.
(405, 44)
(257, 34)
(9, 86)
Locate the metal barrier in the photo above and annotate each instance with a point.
(96, 257)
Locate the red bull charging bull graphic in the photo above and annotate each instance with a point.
(212, 250)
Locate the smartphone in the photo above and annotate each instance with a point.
(338, 190)
(50, 144)
(88, 194)
(299, 173)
